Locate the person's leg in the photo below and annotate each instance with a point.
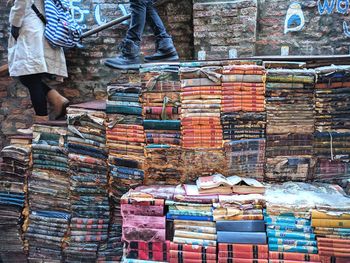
(165, 50)
(130, 47)
(138, 20)
(38, 92)
(155, 22)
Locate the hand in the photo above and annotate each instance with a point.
(15, 32)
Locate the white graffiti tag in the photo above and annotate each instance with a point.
(295, 20)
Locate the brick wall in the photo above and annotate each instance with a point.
(314, 34)
(88, 76)
(223, 25)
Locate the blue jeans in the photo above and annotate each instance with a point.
(143, 11)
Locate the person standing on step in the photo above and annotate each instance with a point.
(32, 59)
(142, 12)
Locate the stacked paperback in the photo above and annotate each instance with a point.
(164, 165)
(246, 158)
(144, 222)
(13, 180)
(243, 88)
(290, 124)
(124, 99)
(201, 104)
(192, 226)
(161, 103)
(288, 224)
(240, 228)
(243, 125)
(89, 195)
(48, 192)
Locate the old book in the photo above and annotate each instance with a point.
(218, 183)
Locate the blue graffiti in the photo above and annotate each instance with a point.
(97, 14)
(325, 8)
(346, 29)
(342, 6)
(78, 13)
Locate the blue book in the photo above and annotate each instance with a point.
(241, 237)
(241, 226)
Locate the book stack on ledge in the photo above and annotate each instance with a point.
(239, 218)
(143, 221)
(48, 192)
(89, 186)
(14, 168)
(289, 231)
(201, 103)
(331, 221)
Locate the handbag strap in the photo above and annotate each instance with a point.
(40, 15)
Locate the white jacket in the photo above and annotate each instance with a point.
(31, 53)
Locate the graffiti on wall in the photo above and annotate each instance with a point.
(295, 20)
(328, 7)
(80, 12)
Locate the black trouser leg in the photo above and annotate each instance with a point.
(38, 92)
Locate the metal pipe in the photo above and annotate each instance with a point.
(104, 26)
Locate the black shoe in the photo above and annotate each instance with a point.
(165, 52)
(129, 59)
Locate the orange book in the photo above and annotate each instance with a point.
(241, 260)
(243, 248)
(294, 256)
(243, 254)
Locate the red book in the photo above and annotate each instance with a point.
(291, 261)
(185, 255)
(334, 249)
(243, 248)
(334, 245)
(332, 253)
(242, 260)
(239, 254)
(175, 260)
(192, 248)
(150, 246)
(327, 259)
(294, 256)
(148, 255)
(333, 240)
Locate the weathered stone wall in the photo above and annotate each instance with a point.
(221, 26)
(307, 27)
(88, 77)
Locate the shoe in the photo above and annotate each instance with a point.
(129, 57)
(58, 102)
(165, 51)
(37, 119)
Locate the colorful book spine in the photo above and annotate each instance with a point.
(288, 248)
(193, 248)
(294, 256)
(241, 254)
(243, 248)
(241, 260)
(330, 223)
(185, 255)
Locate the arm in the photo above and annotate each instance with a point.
(17, 12)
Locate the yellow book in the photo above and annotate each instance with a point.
(322, 215)
(336, 223)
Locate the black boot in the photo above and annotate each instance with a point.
(165, 51)
(129, 57)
